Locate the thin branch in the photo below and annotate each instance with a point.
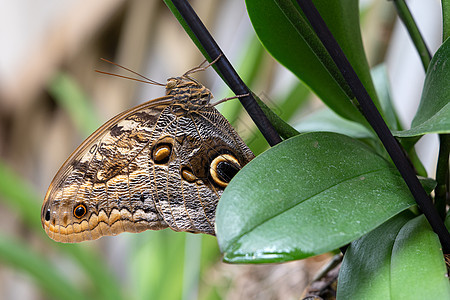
(376, 121)
(441, 192)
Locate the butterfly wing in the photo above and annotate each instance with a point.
(187, 190)
(100, 178)
(147, 168)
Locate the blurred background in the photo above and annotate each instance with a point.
(51, 99)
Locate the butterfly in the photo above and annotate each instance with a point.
(162, 164)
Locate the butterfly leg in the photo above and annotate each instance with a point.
(229, 98)
(200, 67)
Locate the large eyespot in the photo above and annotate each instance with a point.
(161, 153)
(188, 175)
(223, 168)
(47, 215)
(80, 210)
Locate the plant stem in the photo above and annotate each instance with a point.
(376, 121)
(441, 192)
(225, 69)
(413, 30)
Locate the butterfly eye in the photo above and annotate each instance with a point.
(223, 168)
(161, 153)
(79, 211)
(171, 83)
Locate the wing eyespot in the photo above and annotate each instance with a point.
(80, 210)
(223, 168)
(162, 151)
(188, 175)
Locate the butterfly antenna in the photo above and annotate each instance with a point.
(147, 80)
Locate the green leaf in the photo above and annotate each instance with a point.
(381, 82)
(327, 120)
(307, 195)
(433, 114)
(367, 261)
(417, 251)
(288, 37)
(428, 184)
(445, 19)
(401, 259)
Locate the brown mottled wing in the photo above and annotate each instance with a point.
(113, 175)
(108, 174)
(200, 136)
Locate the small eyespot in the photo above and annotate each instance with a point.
(223, 168)
(188, 175)
(161, 153)
(47, 215)
(79, 211)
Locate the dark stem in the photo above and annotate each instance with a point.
(417, 38)
(376, 121)
(441, 192)
(227, 71)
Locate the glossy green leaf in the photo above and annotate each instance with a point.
(433, 114)
(327, 120)
(428, 184)
(445, 19)
(381, 82)
(307, 195)
(401, 259)
(288, 37)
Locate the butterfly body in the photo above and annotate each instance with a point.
(161, 164)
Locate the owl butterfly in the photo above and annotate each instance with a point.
(164, 163)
